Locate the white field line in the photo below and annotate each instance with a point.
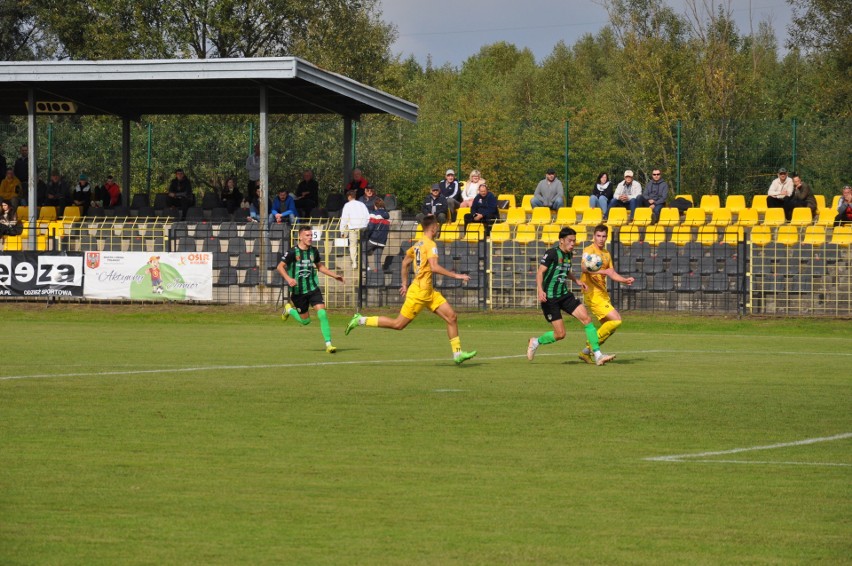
(701, 456)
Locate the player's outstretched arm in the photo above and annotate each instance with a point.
(436, 268)
(326, 271)
(615, 276)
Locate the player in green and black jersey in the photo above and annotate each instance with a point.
(299, 268)
(553, 270)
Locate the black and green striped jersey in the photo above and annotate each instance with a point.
(301, 265)
(558, 264)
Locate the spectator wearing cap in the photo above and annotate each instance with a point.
(180, 192)
(780, 190)
(654, 195)
(549, 192)
(81, 194)
(626, 193)
(369, 198)
(451, 190)
(435, 204)
(358, 183)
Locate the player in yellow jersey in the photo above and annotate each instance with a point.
(595, 295)
(423, 256)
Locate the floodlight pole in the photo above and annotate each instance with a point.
(125, 161)
(263, 139)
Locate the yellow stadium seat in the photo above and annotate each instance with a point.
(720, 217)
(418, 233)
(47, 213)
(748, 217)
(451, 231)
(681, 235)
(774, 217)
(525, 234)
(71, 213)
(814, 235)
(550, 233)
(501, 232)
(733, 235)
(842, 236)
(761, 235)
(641, 216)
(526, 203)
(592, 217)
(820, 201)
(507, 198)
(628, 235)
(580, 203)
(835, 202)
(516, 216)
(617, 217)
(708, 235)
(540, 216)
(825, 217)
(13, 244)
(23, 212)
(694, 217)
(758, 202)
(735, 203)
(475, 232)
(801, 217)
(709, 203)
(669, 216)
(686, 197)
(655, 235)
(787, 235)
(461, 212)
(565, 216)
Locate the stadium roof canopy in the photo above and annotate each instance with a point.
(200, 86)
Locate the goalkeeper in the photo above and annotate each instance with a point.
(595, 296)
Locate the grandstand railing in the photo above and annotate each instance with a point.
(781, 270)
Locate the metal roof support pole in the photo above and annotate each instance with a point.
(263, 139)
(347, 150)
(125, 161)
(31, 166)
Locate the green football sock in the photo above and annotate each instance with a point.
(592, 335)
(294, 314)
(546, 338)
(324, 326)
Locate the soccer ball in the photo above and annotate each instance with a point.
(592, 262)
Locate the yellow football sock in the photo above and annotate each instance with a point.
(371, 321)
(607, 329)
(455, 344)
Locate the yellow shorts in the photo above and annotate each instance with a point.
(598, 306)
(416, 298)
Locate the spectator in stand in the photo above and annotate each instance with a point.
(601, 194)
(353, 220)
(253, 169)
(254, 204)
(111, 193)
(56, 193)
(11, 187)
(358, 183)
(626, 193)
(802, 197)
(471, 188)
(549, 192)
(22, 166)
(307, 194)
(376, 234)
(9, 225)
(283, 209)
(844, 207)
(436, 205)
(483, 209)
(180, 193)
(81, 194)
(231, 196)
(780, 191)
(654, 195)
(451, 190)
(369, 198)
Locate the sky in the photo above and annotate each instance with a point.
(453, 30)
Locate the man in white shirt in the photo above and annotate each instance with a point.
(353, 220)
(780, 190)
(626, 193)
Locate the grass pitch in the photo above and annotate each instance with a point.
(154, 435)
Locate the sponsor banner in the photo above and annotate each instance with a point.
(149, 277)
(41, 274)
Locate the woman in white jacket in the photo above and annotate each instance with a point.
(471, 188)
